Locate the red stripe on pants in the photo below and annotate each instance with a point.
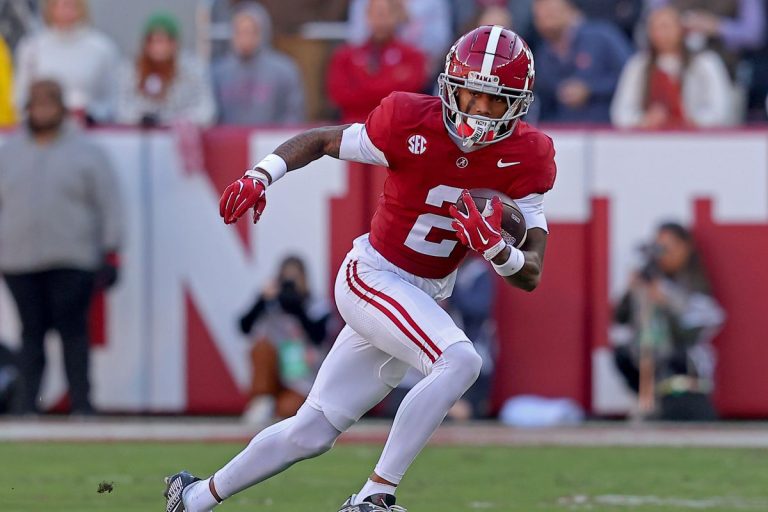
(386, 312)
(398, 307)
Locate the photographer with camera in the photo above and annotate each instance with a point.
(287, 326)
(663, 326)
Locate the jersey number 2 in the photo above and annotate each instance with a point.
(417, 237)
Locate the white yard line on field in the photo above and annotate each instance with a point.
(630, 501)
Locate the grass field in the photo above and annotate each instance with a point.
(65, 477)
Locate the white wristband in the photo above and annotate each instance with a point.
(513, 264)
(269, 170)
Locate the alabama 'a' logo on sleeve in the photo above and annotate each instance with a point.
(417, 144)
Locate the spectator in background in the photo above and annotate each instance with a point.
(70, 51)
(727, 27)
(669, 308)
(7, 112)
(427, 26)
(17, 18)
(218, 27)
(359, 77)
(495, 15)
(9, 377)
(668, 86)
(756, 62)
(578, 63)
(517, 13)
(522, 17)
(292, 23)
(287, 18)
(288, 326)
(624, 14)
(254, 84)
(164, 85)
(60, 229)
(290, 17)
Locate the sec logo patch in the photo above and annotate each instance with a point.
(417, 144)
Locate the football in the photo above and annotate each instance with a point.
(513, 228)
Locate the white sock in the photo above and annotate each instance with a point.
(370, 488)
(198, 498)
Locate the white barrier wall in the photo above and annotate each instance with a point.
(177, 246)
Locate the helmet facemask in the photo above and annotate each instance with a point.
(475, 129)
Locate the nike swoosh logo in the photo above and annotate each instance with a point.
(506, 164)
(482, 238)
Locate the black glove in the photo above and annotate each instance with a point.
(109, 272)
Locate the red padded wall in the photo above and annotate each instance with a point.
(736, 256)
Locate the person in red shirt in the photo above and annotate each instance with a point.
(435, 149)
(359, 77)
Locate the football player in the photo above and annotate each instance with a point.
(435, 148)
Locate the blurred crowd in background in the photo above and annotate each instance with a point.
(631, 63)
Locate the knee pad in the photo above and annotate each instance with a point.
(311, 433)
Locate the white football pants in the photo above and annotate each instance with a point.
(393, 322)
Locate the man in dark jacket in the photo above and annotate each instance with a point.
(578, 63)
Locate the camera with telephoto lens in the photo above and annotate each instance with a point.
(289, 297)
(650, 269)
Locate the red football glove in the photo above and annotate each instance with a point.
(481, 234)
(240, 196)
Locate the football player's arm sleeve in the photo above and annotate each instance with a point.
(356, 146)
(532, 207)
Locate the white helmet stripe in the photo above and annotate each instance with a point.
(490, 49)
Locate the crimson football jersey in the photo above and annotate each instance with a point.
(427, 173)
